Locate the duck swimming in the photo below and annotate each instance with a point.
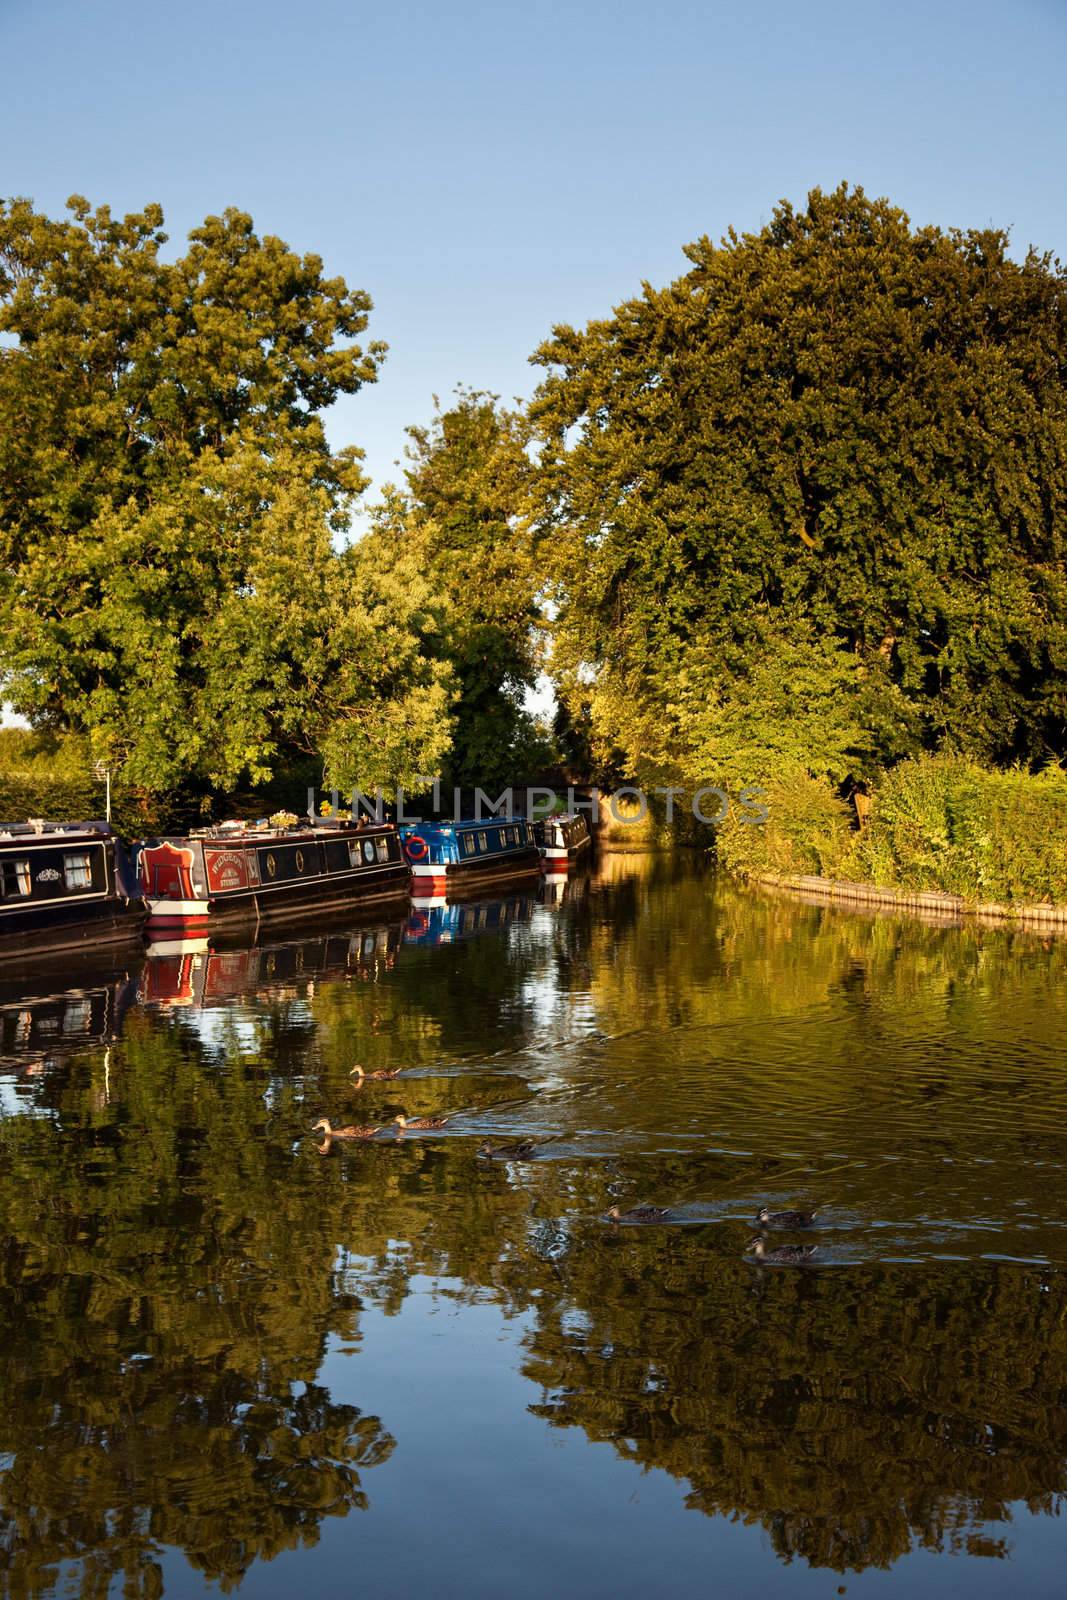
(420, 1124)
(784, 1255)
(639, 1214)
(520, 1151)
(352, 1131)
(784, 1219)
(382, 1075)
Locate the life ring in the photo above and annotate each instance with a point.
(415, 847)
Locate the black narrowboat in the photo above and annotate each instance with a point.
(65, 886)
(269, 872)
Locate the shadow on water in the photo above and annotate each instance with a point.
(178, 1260)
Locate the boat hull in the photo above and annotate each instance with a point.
(460, 878)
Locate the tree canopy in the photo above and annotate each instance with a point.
(460, 516)
(821, 479)
(170, 581)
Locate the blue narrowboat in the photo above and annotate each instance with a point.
(466, 857)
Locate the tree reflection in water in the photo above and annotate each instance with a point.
(177, 1259)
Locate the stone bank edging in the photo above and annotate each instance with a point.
(929, 902)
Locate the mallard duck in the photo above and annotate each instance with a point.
(521, 1151)
(419, 1123)
(784, 1219)
(784, 1255)
(352, 1131)
(382, 1075)
(639, 1214)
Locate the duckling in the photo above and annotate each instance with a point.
(352, 1131)
(521, 1151)
(639, 1214)
(784, 1219)
(419, 1123)
(784, 1255)
(382, 1075)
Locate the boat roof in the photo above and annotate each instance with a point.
(39, 828)
(263, 828)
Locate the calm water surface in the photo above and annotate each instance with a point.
(231, 1361)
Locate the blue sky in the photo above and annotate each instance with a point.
(487, 170)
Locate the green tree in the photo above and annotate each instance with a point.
(170, 509)
(842, 442)
(461, 511)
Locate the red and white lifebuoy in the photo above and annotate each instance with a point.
(415, 847)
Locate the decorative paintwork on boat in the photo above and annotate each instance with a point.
(443, 921)
(466, 857)
(65, 885)
(257, 873)
(562, 840)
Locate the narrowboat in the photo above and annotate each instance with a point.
(468, 857)
(268, 872)
(561, 840)
(65, 886)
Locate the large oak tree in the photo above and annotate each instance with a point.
(808, 503)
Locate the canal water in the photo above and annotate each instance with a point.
(235, 1360)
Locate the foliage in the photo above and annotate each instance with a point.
(169, 505)
(944, 823)
(950, 824)
(807, 828)
(464, 488)
(841, 444)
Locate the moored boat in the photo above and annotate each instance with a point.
(561, 840)
(260, 872)
(468, 857)
(65, 886)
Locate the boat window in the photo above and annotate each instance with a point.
(368, 849)
(15, 879)
(355, 855)
(483, 841)
(468, 844)
(299, 859)
(382, 848)
(77, 870)
(271, 864)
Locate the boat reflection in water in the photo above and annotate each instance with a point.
(444, 921)
(204, 971)
(43, 1016)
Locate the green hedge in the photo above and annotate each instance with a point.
(941, 823)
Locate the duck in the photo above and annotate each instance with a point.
(352, 1131)
(784, 1255)
(382, 1075)
(522, 1150)
(639, 1214)
(784, 1219)
(419, 1123)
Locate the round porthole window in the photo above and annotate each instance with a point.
(368, 849)
(299, 858)
(271, 864)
